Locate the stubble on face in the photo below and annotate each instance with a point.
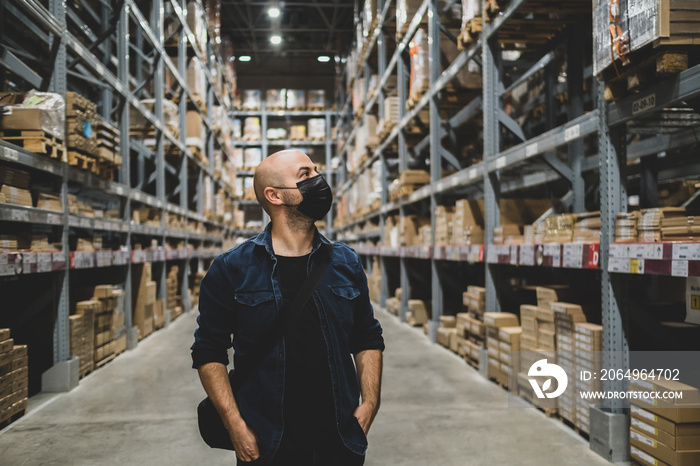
(296, 221)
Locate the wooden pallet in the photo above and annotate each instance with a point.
(296, 109)
(38, 142)
(13, 418)
(105, 361)
(646, 66)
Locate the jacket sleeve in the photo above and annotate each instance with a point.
(366, 332)
(212, 338)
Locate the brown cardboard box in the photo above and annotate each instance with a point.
(4, 334)
(448, 321)
(546, 340)
(103, 291)
(511, 335)
(443, 336)
(551, 294)
(500, 319)
(120, 344)
(159, 314)
(414, 177)
(455, 340)
(418, 310)
(660, 423)
(664, 452)
(644, 458)
(7, 345)
(678, 413)
(673, 441)
(20, 363)
(194, 126)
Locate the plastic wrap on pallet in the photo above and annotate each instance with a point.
(252, 157)
(251, 99)
(317, 128)
(195, 78)
(419, 64)
(296, 99)
(196, 24)
(251, 129)
(275, 98)
(405, 11)
(316, 99)
(639, 19)
(170, 113)
(51, 116)
(470, 9)
(369, 15)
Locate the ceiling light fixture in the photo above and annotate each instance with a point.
(244, 58)
(273, 12)
(276, 39)
(324, 58)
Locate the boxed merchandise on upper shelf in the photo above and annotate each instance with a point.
(251, 100)
(405, 11)
(635, 41)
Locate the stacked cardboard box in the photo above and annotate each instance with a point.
(408, 229)
(408, 181)
(316, 99)
(83, 334)
(494, 321)
(118, 322)
(275, 99)
(145, 302)
(173, 299)
(81, 124)
(467, 223)
(665, 431)
(374, 281)
(443, 225)
(565, 317)
(418, 312)
(195, 290)
(296, 99)
(104, 322)
(108, 143)
(447, 332)
(14, 378)
(394, 303)
(509, 353)
(588, 345)
(14, 187)
(474, 299)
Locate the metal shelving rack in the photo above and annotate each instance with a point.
(529, 163)
(120, 60)
(279, 144)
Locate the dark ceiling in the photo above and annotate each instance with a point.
(308, 30)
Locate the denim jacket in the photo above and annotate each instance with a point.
(240, 296)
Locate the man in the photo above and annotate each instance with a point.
(300, 405)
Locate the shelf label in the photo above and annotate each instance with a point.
(20, 215)
(501, 162)
(514, 255)
(11, 154)
(85, 223)
(619, 265)
(527, 255)
(644, 104)
(687, 251)
(572, 261)
(492, 255)
(43, 262)
(571, 133)
(531, 149)
(679, 268)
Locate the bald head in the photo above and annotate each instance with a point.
(283, 168)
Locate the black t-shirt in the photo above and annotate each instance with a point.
(309, 413)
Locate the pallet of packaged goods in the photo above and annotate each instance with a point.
(446, 332)
(418, 312)
(420, 79)
(145, 294)
(108, 143)
(405, 12)
(407, 183)
(295, 100)
(471, 23)
(494, 322)
(14, 187)
(14, 379)
(34, 121)
(637, 45)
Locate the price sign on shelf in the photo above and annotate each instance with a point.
(686, 251)
(679, 268)
(43, 262)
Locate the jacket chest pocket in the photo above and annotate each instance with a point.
(345, 300)
(256, 312)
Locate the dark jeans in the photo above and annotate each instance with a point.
(335, 454)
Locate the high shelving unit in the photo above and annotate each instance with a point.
(117, 57)
(270, 146)
(579, 153)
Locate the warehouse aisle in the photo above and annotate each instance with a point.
(140, 409)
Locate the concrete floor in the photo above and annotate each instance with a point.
(140, 409)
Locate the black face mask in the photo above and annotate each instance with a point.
(317, 197)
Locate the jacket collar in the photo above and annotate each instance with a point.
(264, 239)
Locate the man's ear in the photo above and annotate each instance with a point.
(272, 196)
